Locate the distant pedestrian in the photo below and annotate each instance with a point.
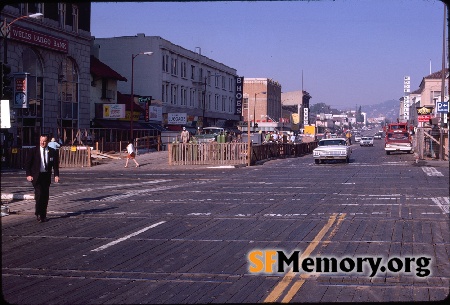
(38, 168)
(53, 144)
(131, 153)
(185, 135)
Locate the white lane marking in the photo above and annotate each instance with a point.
(126, 237)
(443, 203)
(114, 186)
(431, 171)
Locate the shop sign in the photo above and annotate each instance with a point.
(239, 95)
(424, 118)
(38, 39)
(20, 90)
(155, 113)
(424, 110)
(113, 111)
(176, 118)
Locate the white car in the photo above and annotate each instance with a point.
(332, 149)
(357, 138)
(366, 141)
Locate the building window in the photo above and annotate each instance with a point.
(200, 75)
(174, 66)
(216, 81)
(24, 9)
(165, 63)
(165, 93)
(174, 92)
(209, 78)
(62, 15)
(183, 96)
(209, 105)
(192, 72)
(230, 105)
(192, 97)
(31, 118)
(68, 94)
(183, 70)
(230, 84)
(75, 18)
(40, 9)
(435, 96)
(216, 102)
(223, 81)
(224, 100)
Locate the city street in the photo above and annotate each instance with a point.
(174, 234)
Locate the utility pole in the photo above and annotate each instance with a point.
(442, 124)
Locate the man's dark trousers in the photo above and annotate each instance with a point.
(42, 193)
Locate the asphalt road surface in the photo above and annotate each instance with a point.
(156, 234)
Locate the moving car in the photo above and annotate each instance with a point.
(366, 141)
(377, 136)
(332, 149)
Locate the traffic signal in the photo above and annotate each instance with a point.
(6, 82)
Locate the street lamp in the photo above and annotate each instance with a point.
(133, 56)
(248, 127)
(5, 31)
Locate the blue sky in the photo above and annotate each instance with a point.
(352, 52)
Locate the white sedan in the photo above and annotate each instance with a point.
(332, 149)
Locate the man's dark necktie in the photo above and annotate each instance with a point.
(45, 162)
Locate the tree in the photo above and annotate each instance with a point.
(359, 116)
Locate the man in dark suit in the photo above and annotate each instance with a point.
(38, 169)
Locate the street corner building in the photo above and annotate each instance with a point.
(45, 48)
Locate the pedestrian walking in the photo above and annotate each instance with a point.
(38, 168)
(184, 135)
(131, 153)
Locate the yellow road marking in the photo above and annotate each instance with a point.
(287, 279)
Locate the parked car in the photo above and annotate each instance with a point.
(209, 134)
(332, 149)
(366, 141)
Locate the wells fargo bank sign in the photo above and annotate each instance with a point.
(38, 39)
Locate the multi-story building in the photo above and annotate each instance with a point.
(49, 58)
(301, 100)
(262, 103)
(425, 98)
(188, 86)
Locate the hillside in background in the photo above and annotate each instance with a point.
(389, 109)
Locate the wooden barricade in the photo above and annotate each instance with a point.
(69, 156)
(75, 156)
(233, 153)
(207, 153)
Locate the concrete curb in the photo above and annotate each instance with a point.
(17, 197)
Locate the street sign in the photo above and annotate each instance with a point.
(442, 107)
